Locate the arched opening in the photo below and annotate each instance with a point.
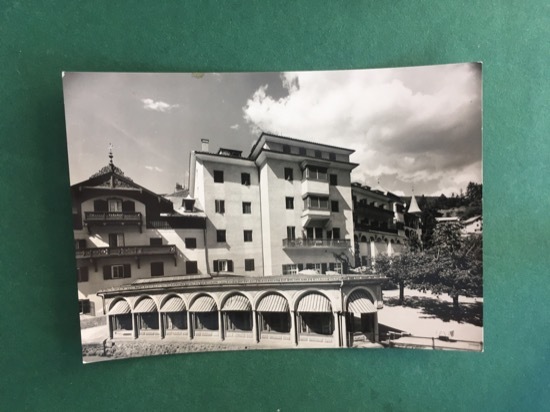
(315, 318)
(205, 316)
(273, 317)
(173, 317)
(147, 318)
(237, 316)
(361, 316)
(120, 319)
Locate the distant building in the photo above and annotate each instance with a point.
(472, 226)
(379, 223)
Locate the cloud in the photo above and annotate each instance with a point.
(154, 168)
(234, 127)
(415, 125)
(150, 104)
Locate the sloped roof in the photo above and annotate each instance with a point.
(413, 206)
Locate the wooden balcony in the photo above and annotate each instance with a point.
(126, 251)
(372, 228)
(112, 219)
(316, 243)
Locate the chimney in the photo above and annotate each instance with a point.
(204, 145)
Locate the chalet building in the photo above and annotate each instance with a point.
(284, 208)
(472, 226)
(125, 232)
(379, 223)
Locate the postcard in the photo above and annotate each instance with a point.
(291, 210)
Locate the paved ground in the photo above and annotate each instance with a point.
(427, 315)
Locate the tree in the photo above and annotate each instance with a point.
(453, 265)
(400, 269)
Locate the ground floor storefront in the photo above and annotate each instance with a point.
(287, 311)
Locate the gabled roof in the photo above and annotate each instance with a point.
(472, 219)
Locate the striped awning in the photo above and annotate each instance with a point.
(173, 304)
(146, 305)
(314, 302)
(360, 302)
(273, 303)
(204, 304)
(237, 303)
(120, 308)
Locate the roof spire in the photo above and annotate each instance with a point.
(111, 156)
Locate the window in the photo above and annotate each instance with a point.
(80, 244)
(115, 205)
(245, 179)
(316, 173)
(191, 267)
(157, 269)
(318, 233)
(116, 239)
(334, 206)
(218, 176)
(190, 243)
(318, 154)
(220, 206)
(248, 265)
(82, 274)
(128, 206)
(291, 233)
(238, 321)
(302, 151)
(333, 180)
(289, 202)
(332, 156)
(220, 235)
(289, 174)
(101, 205)
(223, 266)
(315, 202)
(286, 148)
(248, 235)
(155, 241)
(116, 271)
(336, 267)
(336, 233)
(316, 323)
(290, 269)
(309, 233)
(274, 322)
(84, 306)
(247, 208)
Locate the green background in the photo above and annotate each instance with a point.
(40, 360)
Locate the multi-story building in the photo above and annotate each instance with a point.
(125, 232)
(284, 208)
(379, 223)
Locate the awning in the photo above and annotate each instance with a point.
(173, 304)
(360, 302)
(120, 308)
(146, 305)
(314, 302)
(204, 304)
(237, 303)
(273, 303)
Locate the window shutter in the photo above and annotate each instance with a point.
(230, 266)
(127, 271)
(100, 206)
(331, 266)
(216, 266)
(323, 268)
(300, 266)
(128, 206)
(84, 273)
(106, 272)
(344, 268)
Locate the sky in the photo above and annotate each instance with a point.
(413, 129)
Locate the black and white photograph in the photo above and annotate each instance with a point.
(277, 210)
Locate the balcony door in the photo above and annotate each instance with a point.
(116, 239)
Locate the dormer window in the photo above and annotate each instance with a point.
(286, 148)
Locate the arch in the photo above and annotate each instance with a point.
(197, 296)
(370, 293)
(379, 239)
(360, 301)
(363, 238)
(318, 303)
(203, 302)
(236, 302)
(173, 303)
(392, 241)
(164, 298)
(275, 303)
(372, 239)
(231, 293)
(144, 306)
(119, 306)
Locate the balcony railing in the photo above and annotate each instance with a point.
(375, 228)
(370, 209)
(313, 243)
(106, 252)
(101, 217)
